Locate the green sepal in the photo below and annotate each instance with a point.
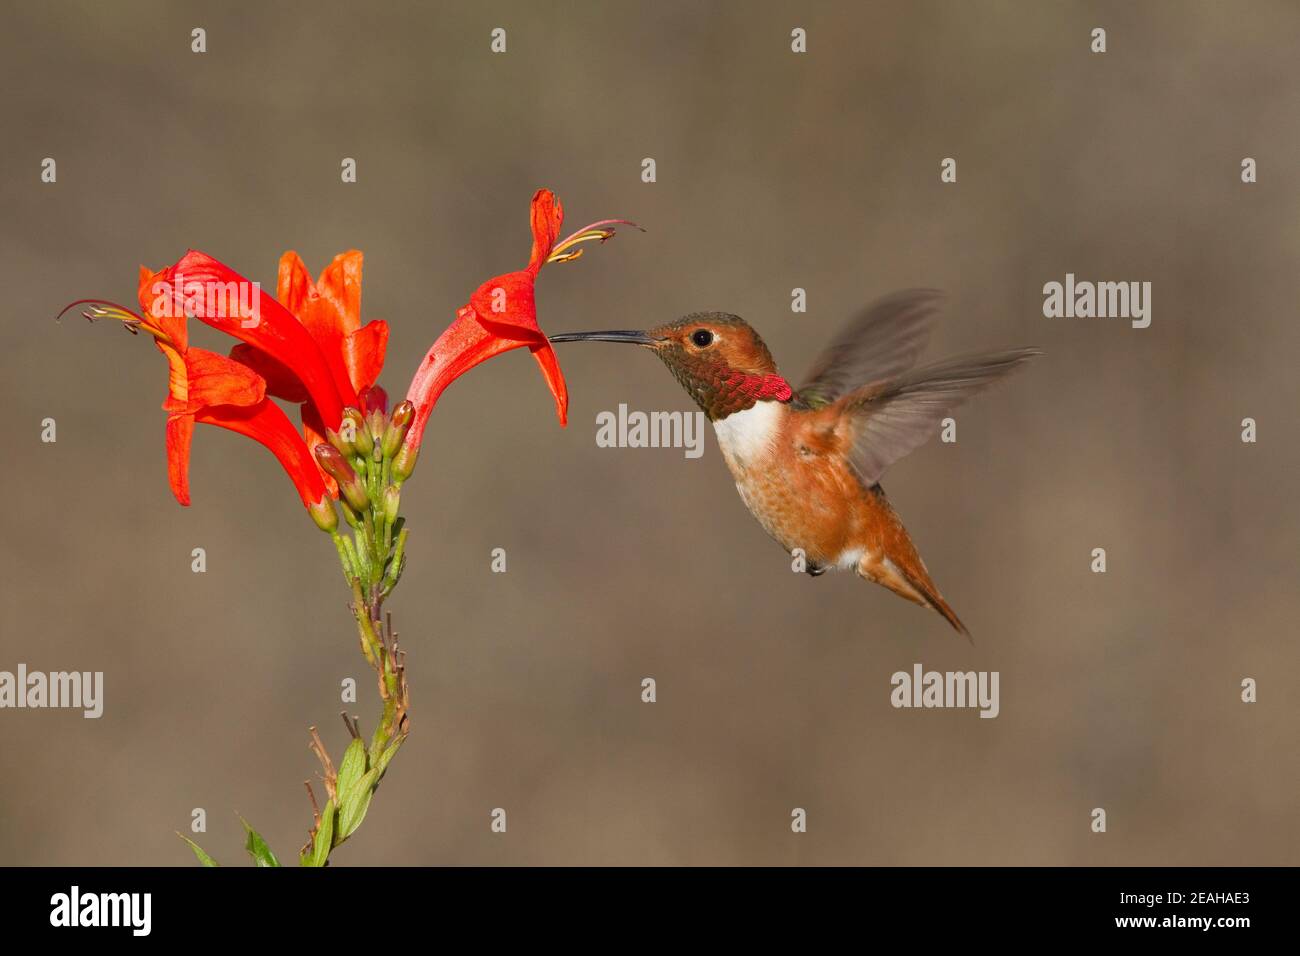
(382, 763)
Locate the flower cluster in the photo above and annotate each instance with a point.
(349, 455)
(308, 347)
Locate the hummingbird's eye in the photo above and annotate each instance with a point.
(702, 337)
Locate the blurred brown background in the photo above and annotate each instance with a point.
(775, 170)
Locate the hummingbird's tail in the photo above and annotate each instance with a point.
(896, 565)
(917, 588)
(936, 601)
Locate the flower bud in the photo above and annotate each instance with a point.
(377, 424)
(403, 415)
(323, 513)
(355, 422)
(392, 502)
(347, 448)
(404, 461)
(374, 399)
(337, 467)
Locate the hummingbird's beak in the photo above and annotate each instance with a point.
(632, 338)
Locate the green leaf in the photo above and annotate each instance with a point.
(204, 859)
(382, 763)
(354, 804)
(257, 848)
(324, 841)
(352, 767)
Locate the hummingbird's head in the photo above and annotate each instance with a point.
(721, 362)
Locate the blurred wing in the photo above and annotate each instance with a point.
(884, 341)
(886, 420)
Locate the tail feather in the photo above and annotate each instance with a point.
(895, 564)
(912, 583)
(935, 600)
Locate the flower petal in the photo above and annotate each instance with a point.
(266, 423)
(180, 432)
(340, 286)
(546, 215)
(507, 305)
(214, 379)
(280, 381)
(363, 353)
(293, 283)
(329, 309)
(178, 390)
(550, 365)
(153, 293)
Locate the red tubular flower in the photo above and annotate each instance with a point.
(201, 286)
(212, 389)
(502, 315)
(329, 309)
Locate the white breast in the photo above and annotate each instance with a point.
(744, 436)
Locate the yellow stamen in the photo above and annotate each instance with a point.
(561, 254)
(97, 310)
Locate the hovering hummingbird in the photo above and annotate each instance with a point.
(808, 463)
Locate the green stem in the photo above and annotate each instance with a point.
(369, 559)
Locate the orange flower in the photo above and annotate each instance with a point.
(209, 388)
(212, 292)
(330, 310)
(502, 315)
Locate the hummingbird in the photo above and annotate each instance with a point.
(808, 462)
